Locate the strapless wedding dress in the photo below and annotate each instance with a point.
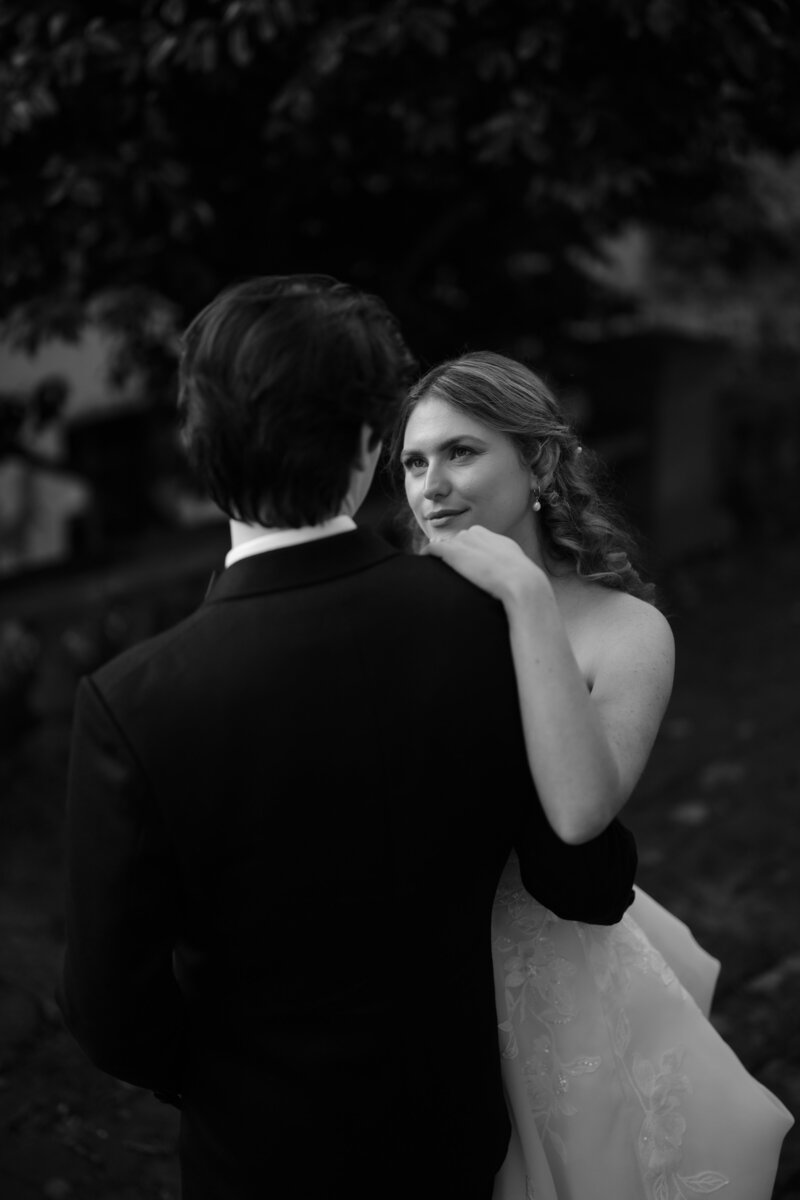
(618, 1085)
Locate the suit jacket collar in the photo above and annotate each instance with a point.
(302, 565)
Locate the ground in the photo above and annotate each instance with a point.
(715, 818)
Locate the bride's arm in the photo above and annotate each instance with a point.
(586, 750)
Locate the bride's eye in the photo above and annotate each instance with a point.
(413, 464)
(462, 451)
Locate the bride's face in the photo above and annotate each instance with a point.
(459, 472)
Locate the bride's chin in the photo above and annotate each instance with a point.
(441, 534)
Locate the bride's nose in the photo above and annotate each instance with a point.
(436, 482)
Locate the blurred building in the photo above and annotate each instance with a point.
(81, 477)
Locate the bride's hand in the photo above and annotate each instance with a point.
(489, 560)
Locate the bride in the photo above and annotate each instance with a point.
(618, 1085)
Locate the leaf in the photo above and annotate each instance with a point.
(551, 1016)
(529, 44)
(759, 25)
(173, 12)
(511, 1048)
(671, 1059)
(432, 30)
(265, 26)
(161, 50)
(56, 25)
(69, 63)
(233, 9)
(208, 54)
(585, 1065)
(622, 1034)
(494, 63)
(104, 42)
(661, 18)
(705, 1182)
(284, 11)
(239, 46)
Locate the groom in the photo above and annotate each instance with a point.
(288, 815)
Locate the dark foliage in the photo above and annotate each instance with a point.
(451, 156)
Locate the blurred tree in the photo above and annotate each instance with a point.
(675, 280)
(457, 157)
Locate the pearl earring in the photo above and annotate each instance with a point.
(537, 504)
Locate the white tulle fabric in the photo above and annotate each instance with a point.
(618, 1085)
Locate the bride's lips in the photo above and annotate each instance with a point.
(443, 515)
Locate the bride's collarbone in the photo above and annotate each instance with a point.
(583, 606)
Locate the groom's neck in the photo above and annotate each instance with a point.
(242, 532)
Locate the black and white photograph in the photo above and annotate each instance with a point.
(399, 600)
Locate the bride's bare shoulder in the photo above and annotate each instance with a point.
(598, 617)
(591, 601)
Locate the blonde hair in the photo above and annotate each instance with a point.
(579, 526)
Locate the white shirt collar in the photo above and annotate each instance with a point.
(278, 539)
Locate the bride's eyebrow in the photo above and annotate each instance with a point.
(442, 447)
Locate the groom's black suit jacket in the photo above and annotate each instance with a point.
(287, 817)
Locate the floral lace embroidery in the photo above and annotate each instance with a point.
(613, 954)
(622, 949)
(538, 988)
(661, 1135)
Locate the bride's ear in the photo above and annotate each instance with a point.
(544, 467)
(534, 479)
(541, 476)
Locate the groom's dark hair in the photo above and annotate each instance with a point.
(277, 377)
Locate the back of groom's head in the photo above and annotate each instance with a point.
(277, 377)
